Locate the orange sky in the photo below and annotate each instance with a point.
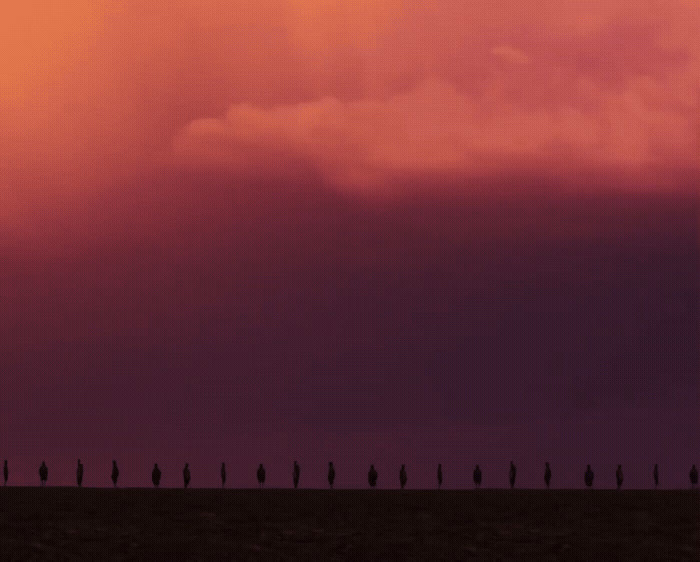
(359, 90)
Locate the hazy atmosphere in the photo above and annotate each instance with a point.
(350, 231)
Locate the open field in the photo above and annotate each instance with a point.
(59, 523)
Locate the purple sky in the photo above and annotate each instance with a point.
(177, 319)
(368, 232)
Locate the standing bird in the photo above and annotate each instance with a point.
(79, 474)
(295, 474)
(477, 477)
(223, 474)
(693, 476)
(439, 476)
(547, 474)
(618, 476)
(588, 476)
(115, 473)
(372, 476)
(186, 474)
(261, 475)
(331, 474)
(155, 475)
(402, 476)
(656, 476)
(43, 473)
(5, 472)
(511, 475)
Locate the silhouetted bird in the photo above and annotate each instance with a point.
(618, 476)
(186, 474)
(656, 476)
(115, 473)
(547, 474)
(155, 475)
(261, 475)
(372, 476)
(402, 476)
(43, 473)
(511, 474)
(295, 474)
(5, 473)
(588, 476)
(439, 476)
(477, 476)
(331, 474)
(79, 474)
(223, 474)
(693, 476)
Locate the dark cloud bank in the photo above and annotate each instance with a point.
(204, 318)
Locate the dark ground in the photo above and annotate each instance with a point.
(63, 523)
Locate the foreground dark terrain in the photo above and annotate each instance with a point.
(61, 523)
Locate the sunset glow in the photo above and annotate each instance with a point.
(357, 89)
(384, 220)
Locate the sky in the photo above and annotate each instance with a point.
(352, 231)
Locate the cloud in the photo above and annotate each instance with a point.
(448, 87)
(400, 87)
(434, 127)
(510, 54)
